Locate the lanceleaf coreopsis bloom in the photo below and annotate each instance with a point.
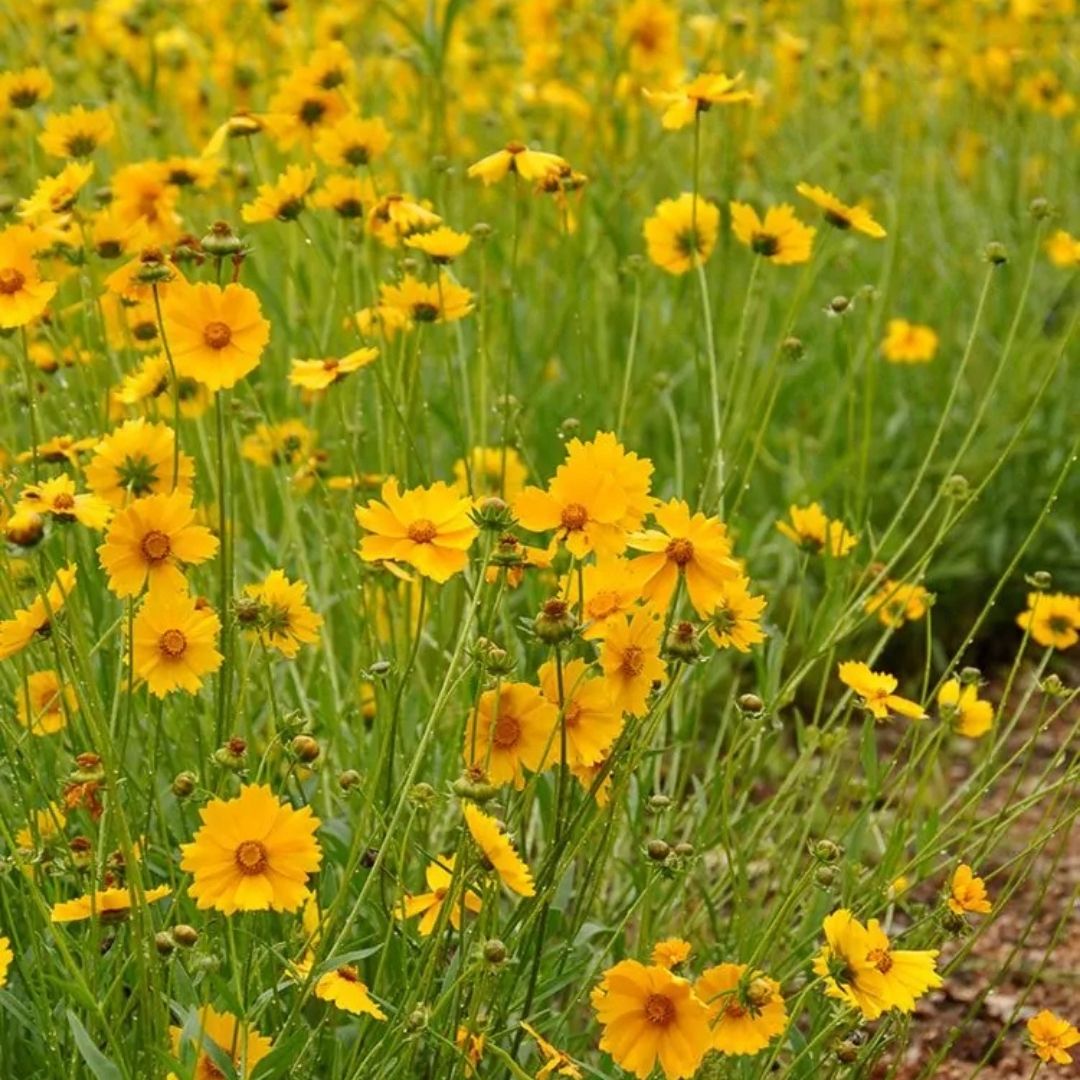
(59, 499)
(630, 658)
(428, 528)
(6, 957)
(316, 375)
(282, 199)
(1051, 1036)
(591, 718)
(497, 849)
(897, 602)
(779, 237)
(35, 621)
(518, 159)
(136, 459)
(960, 705)
(839, 215)
(968, 892)
(491, 471)
(811, 529)
(252, 853)
(735, 622)
(76, 133)
(427, 302)
(23, 293)
(174, 642)
(438, 877)
(876, 690)
(909, 343)
(343, 988)
(283, 619)
(746, 1008)
(683, 105)
(511, 729)
(108, 905)
(44, 703)
(232, 1040)
(1052, 619)
(682, 233)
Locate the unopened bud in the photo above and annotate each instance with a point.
(1041, 580)
(793, 348)
(970, 676)
(995, 253)
(185, 936)
(657, 804)
(556, 622)
(751, 703)
(423, 796)
(839, 304)
(221, 242)
(349, 779)
(658, 850)
(827, 851)
(824, 876)
(1040, 208)
(494, 951)
(682, 643)
(164, 943)
(232, 755)
(492, 514)
(305, 748)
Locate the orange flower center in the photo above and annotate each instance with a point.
(881, 959)
(733, 1009)
(1058, 624)
(659, 1010)
(11, 280)
(603, 604)
(217, 335)
(63, 501)
(507, 732)
(155, 546)
(251, 857)
(348, 973)
(172, 644)
(515, 147)
(572, 713)
(422, 531)
(680, 551)
(574, 517)
(330, 365)
(207, 1070)
(633, 661)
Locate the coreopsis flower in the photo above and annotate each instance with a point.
(779, 237)
(345, 195)
(895, 603)
(174, 642)
(396, 216)
(428, 528)
(35, 621)
(281, 199)
(511, 730)
(961, 706)
(285, 621)
(150, 540)
(442, 245)
(54, 196)
(682, 233)
(287, 443)
(909, 343)
(317, 375)
(136, 459)
(427, 302)
(60, 449)
(499, 851)
(44, 703)
(59, 499)
(649, 1016)
(44, 827)
(352, 141)
(216, 335)
(518, 159)
(968, 892)
(630, 658)
(648, 30)
(592, 720)
(735, 622)
(1052, 619)
(252, 853)
(839, 215)
(907, 973)
(108, 905)
(301, 110)
(6, 957)
(746, 1009)
(381, 322)
(693, 546)
(186, 171)
(683, 105)
(597, 496)
(876, 690)
(491, 471)
(76, 133)
(671, 953)
(342, 987)
(438, 876)
(23, 294)
(556, 1062)
(1051, 1036)
(1063, 250)
(24, 89)
(232, 1040)
(611, 590)
(1044, 91)
(144, 196)
(811, 529)
(471, 1046)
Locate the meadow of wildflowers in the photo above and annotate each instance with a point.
(540, 539)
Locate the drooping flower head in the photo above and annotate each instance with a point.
(840, 215)
(875, 688)
(517, 158)
(499, 851)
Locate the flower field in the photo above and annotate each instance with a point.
(540, 539)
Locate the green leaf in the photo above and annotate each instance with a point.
(97, 1062)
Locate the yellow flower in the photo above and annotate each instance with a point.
(288, 443)
(352, 141)
(968, 892)
(734, 622)
(143, 196)
(840, 215)
(650, 1015)
(844, 964)
(136, 459)
(681, 233)
(682, 106)
(557, 1062)
(746, 1009)
(55, 195)
(909, 343)
(499, 851)
(24, 89)
(44, 703)
(23, 295)
(48, 824)
(6, 956)
(691, 545)
(896, 603)
(428, 528)
(810, 528)
(233, 1040)
(961, 706)
(319, 374)
(108, 905)
(34, 621)
(343, 987)
(1052, 619)
(876, 690)
(671, 953)
(281, 199)
(492, 471)
(1051, 1036)
(427, 302)
(285, 621)
(77, 133)
(1063, 250)
(252, 853)
(439, 875)
(396, 216)
(630, 657)
(781, 237)
(215, 335)
(592, 721)
(1044, 91)
(471, 1044)
(174, 642)
(441, 245)
(612, 588)
(59, 498)
(517, 158)
(345, 195)
(512, 728)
